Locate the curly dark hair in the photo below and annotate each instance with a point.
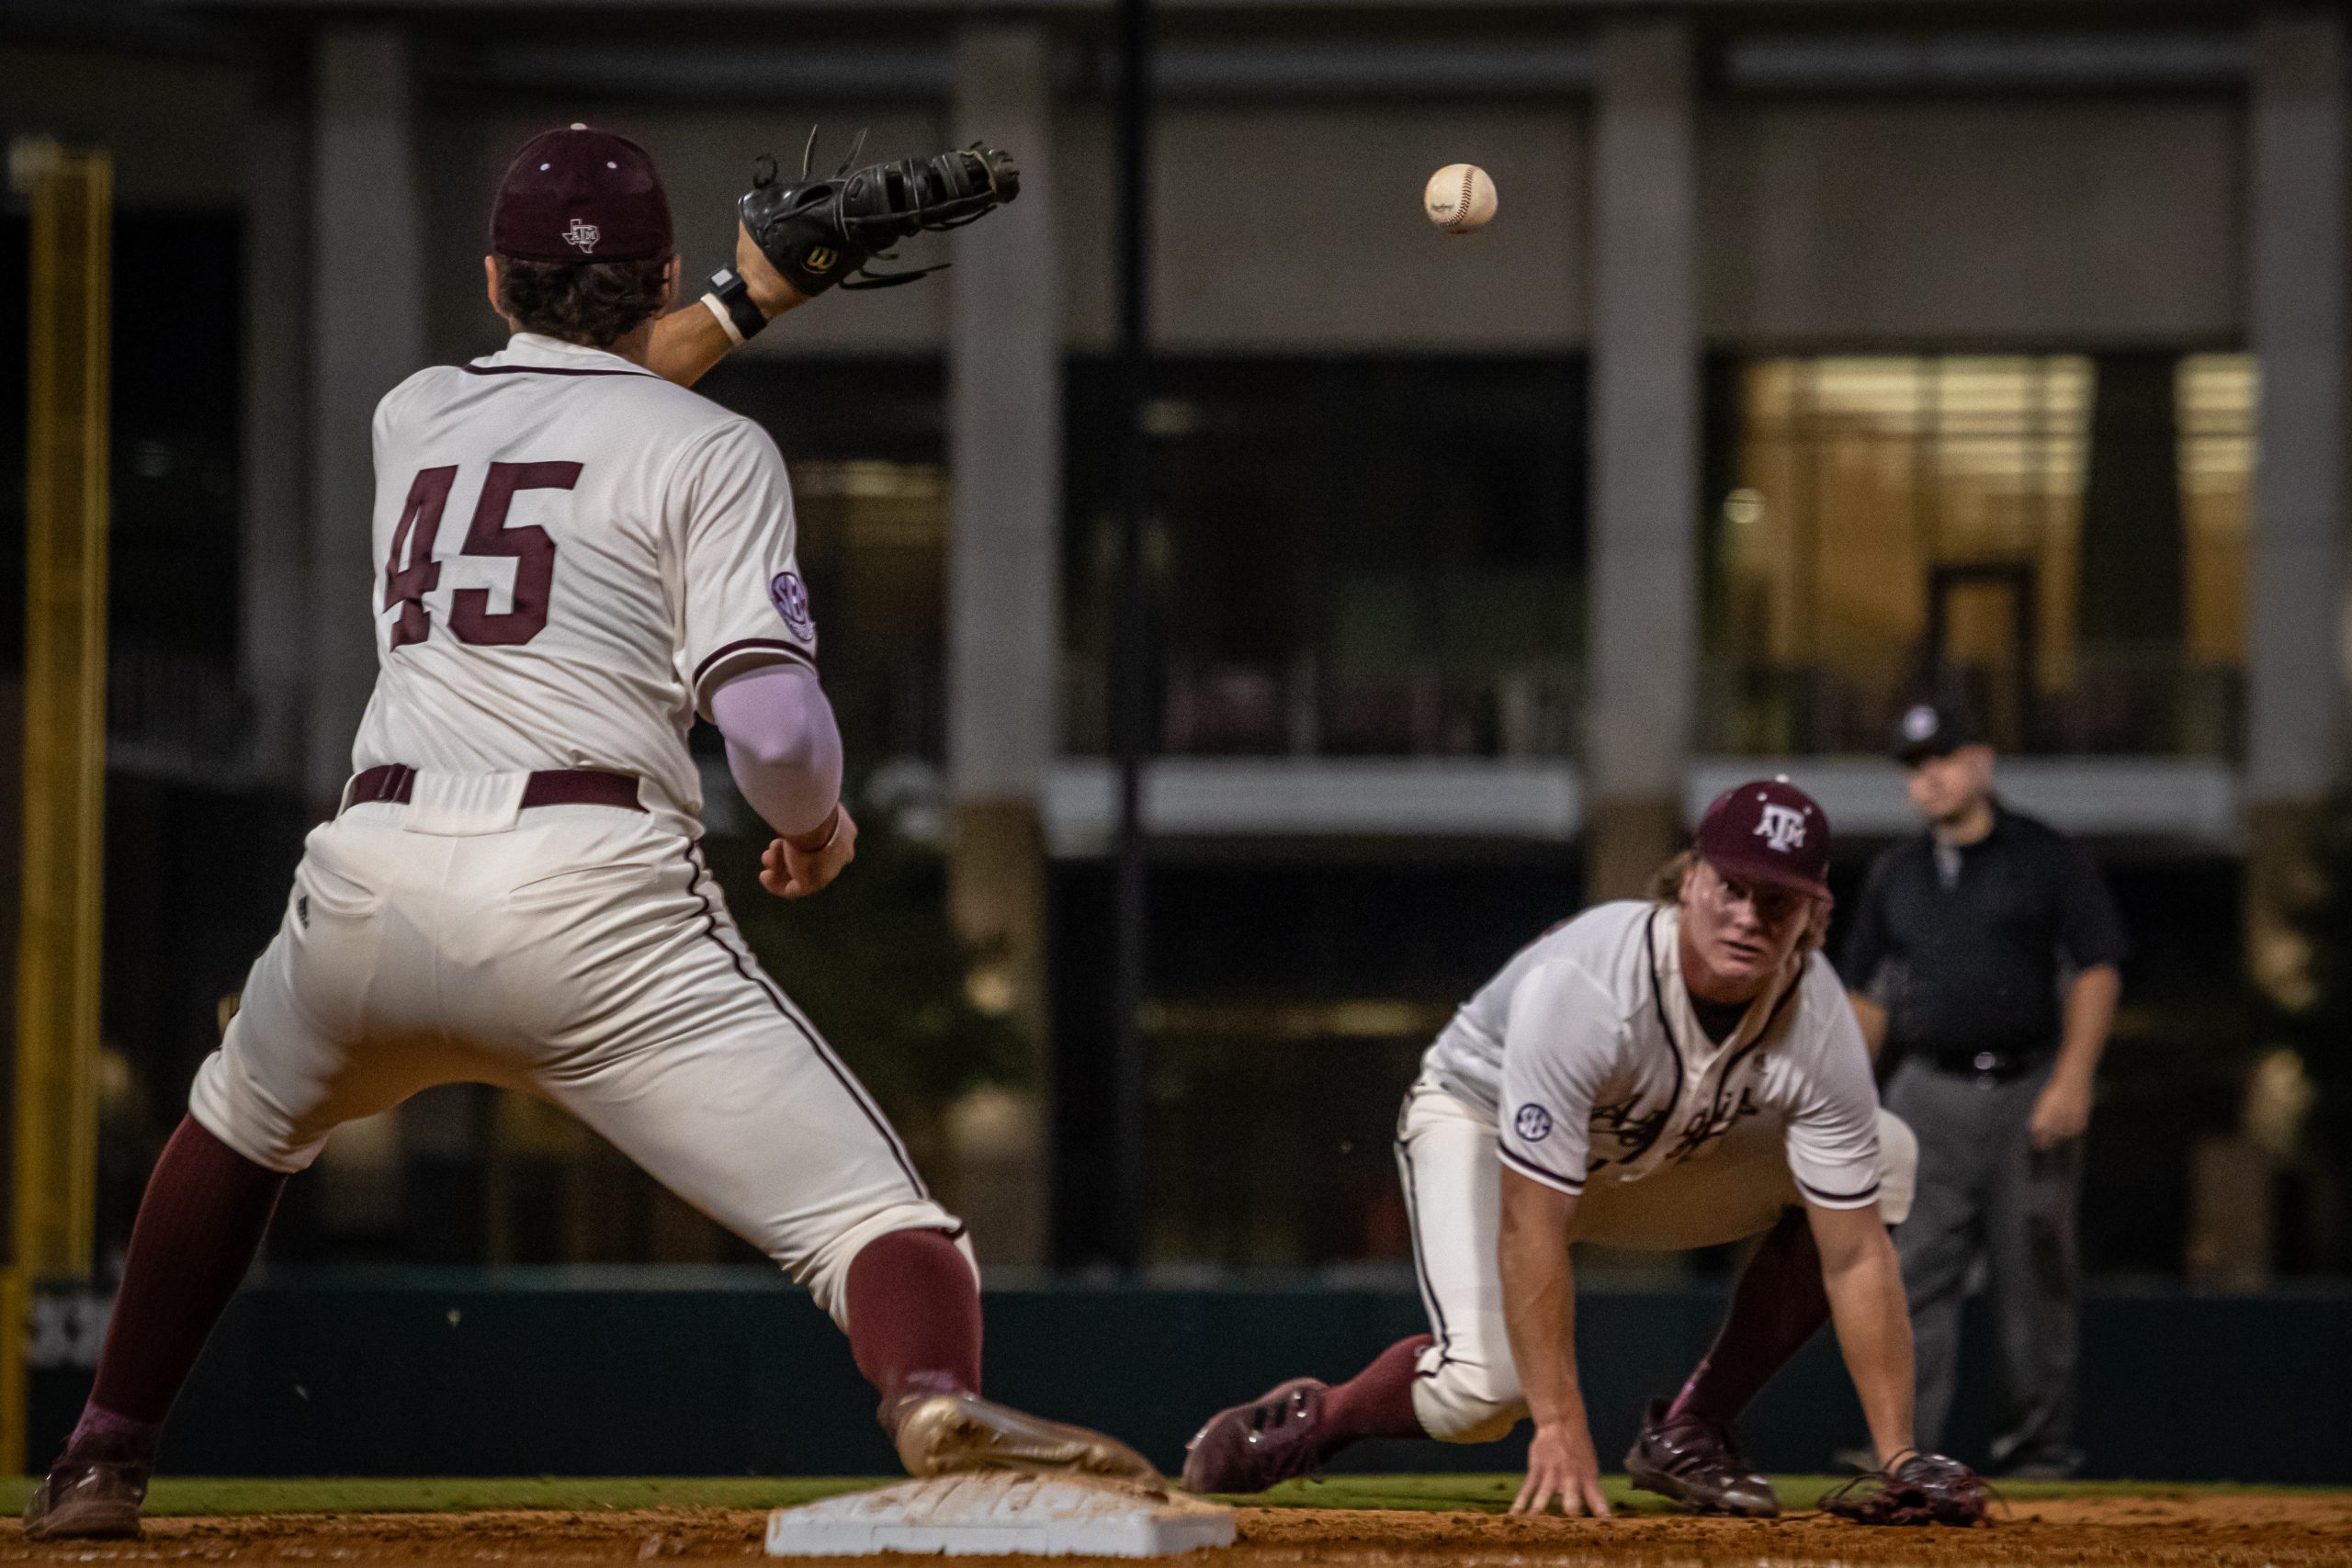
(594, 303)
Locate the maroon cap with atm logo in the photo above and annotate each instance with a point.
(1768, 830)
(578, 195)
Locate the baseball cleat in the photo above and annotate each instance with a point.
(1276, 1437)
(87, 1498)
(939, 1434)
(1697, 1464)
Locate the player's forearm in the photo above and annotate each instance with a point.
(783, 746)
(1864, 1283)
(1539, 1297)
(690, 340)
(2089, 1015)
(686, 344)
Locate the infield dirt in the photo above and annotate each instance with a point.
(2226, 1530)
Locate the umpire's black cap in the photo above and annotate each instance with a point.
(1931, 730)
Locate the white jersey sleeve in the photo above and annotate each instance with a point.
(1560, 1047)
(745, 602)
(1832, 1127)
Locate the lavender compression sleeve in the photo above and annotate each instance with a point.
(782, 745)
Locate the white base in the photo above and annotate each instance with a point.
(1001, 1513)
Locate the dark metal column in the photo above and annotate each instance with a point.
(1131, 622)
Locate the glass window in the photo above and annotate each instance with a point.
(2216, 392)
(1379, 557)
(874, 542)
(866, 442)
(2056, 538)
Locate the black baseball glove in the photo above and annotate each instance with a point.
(821, 232)
(1919, 1489)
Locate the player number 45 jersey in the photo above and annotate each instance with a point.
(570, 553)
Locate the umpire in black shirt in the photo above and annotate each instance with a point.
(1985, 953)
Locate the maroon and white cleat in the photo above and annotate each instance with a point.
(92, 1494)
(1276, 1437)
(1697, 1464)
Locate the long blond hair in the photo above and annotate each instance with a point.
(1665, 883)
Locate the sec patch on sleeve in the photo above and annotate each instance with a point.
(790, 597)
(1532, 1123)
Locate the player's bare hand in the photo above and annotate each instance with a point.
(1561, 1465)
(796, 867)
(768, 287)
(2061, 1111)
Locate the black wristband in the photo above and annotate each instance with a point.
(727, 286)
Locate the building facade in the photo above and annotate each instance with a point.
(1821, 354)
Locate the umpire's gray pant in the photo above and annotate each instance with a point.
(1983, 1187)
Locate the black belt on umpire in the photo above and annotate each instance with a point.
(1999, 1064)
(395, 782)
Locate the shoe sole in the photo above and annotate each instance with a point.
(963, 1432)
(85, 1521)
(1649, 1478)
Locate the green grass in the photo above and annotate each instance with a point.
(203, 1495)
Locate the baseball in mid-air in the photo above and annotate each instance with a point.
(1459, 198)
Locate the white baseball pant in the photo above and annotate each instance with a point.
(1467, 1390)
(580, 952)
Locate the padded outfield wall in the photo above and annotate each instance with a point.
(667, 1371)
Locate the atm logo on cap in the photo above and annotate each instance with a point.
(585, 235)
(1782, 828)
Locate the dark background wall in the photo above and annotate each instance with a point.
(726, 1370)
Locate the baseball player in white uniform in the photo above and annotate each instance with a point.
(1664, 1073)
(575, 557)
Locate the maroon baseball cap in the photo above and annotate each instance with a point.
(578, 195)
(1768, 830)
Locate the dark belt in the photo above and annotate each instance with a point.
(2002, 1066)
(395, 782)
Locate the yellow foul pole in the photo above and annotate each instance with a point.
(64, 795)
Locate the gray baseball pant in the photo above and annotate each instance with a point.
(1984, 1189)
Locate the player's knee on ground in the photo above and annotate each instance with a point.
(1467, 1401)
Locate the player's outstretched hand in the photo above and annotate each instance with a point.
(1561, 1465)
(794, 868)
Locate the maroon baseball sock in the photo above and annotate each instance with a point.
(199, 1226)
(914, 1317)
(1775, 1308)
(1378, 1401)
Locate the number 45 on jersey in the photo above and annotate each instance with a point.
(530, 548)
